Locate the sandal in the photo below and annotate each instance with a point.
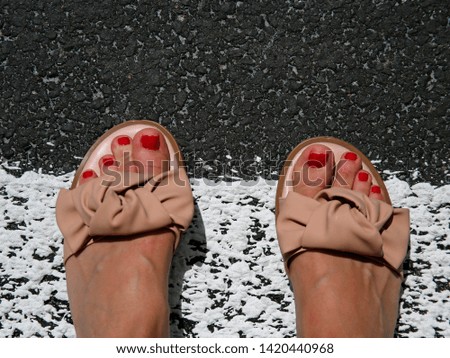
(137, 203)
(339, 219)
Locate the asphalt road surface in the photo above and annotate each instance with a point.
(245, 80)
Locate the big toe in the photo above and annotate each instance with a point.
(150, 152)
(313, 170)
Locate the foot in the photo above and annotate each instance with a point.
(340, 295)
(118, 287)
(146, 152)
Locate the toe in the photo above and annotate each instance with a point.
(121, 147)
(346, 170)
(87, 175)
(375, 193)
(362, 182)
(106, 163)
(150, 152)
(313, 170)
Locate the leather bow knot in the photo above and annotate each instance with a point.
(343, 220)
(102, 207)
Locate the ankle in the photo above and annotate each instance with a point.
(326, 316)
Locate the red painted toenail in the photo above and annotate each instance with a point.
(317, 160)
(350, 156)
(108, 161)
(88, 174)
(363, 176)
(150, 142)
(123, 141)
(376, 189)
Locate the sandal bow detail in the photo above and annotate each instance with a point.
(124, 203)
(343, 220)
(339, 219)
(102, 207)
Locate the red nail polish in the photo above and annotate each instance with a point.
(375, 189)
(350, 156)
(317, 160)
(88, 174)
(108, 161)
(150, 142)
(363, 176)
(123, 141)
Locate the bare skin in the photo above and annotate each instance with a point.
(341, 295)
(118, 287)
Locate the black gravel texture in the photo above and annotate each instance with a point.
(232, 80)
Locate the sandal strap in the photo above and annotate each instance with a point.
(111, 206)
(343, 220)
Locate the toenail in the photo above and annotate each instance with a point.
(88, 174)
(375, 189)
(363, 176)
(108, 161)
(350, 156)
(150, 142)
(123, 141)
(317, 160)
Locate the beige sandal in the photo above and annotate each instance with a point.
(105, 206)
(339, 219)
